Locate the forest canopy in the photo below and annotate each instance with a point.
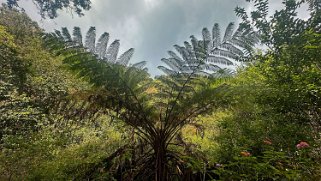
(72, 107)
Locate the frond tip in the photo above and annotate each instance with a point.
(100, 49)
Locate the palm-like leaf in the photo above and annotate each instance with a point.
(102, 45)
(90, 39)
(234, 46)
(66, 35)
(228, 32)
(218, 53)
(100, 49)
(77, 37)
(112, 51)
(125, 57)
(216, 35)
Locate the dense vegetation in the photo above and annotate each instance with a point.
(72, 109)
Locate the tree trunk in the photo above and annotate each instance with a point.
(160, 165)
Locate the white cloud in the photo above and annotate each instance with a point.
(152, 3)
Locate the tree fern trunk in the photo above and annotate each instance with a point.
(160, 165)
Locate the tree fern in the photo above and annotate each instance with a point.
(156, 110)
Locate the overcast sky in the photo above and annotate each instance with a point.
(152, 27)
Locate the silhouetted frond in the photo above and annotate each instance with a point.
(112, 51)
(232, 48)
(139, 65)
(167, 70)
(77, 36)
(90, 39)
(216, 35)
(101, 46)
(125, 57)
(219, 60)
(224, 53)
(228, 32)
(204, 57)
(66, 34)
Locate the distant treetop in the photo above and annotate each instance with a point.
(49, 8)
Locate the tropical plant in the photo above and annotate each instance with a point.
(222, 55)
(156, 110)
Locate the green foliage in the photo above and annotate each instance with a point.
(17, 114)
(71, 109)
(50, 8)
(275, 101)
(44, 119)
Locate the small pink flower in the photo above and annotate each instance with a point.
(302, 145)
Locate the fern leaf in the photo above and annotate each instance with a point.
(219, 60)
(90, 39)
(77, 37)
(101, 46)
(139, 65)
(233, 49)
(171, 63)
(66, 34)
(206, 35)
(175, 56)
(112, 51)
(224, 53)
(228, 32)
(210, 67)
(125, 57)
(167, 70)
(216, 34)
(207, 39)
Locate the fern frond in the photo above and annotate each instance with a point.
(219, 60)
(101, 46)
(232, 48)
(112, 51)
(216, 35)
(228, 32)
(225, 53)
(77, 36)
(167, 70)
(125, 57)
(90, 39)
(139, 65)
(66, 34)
